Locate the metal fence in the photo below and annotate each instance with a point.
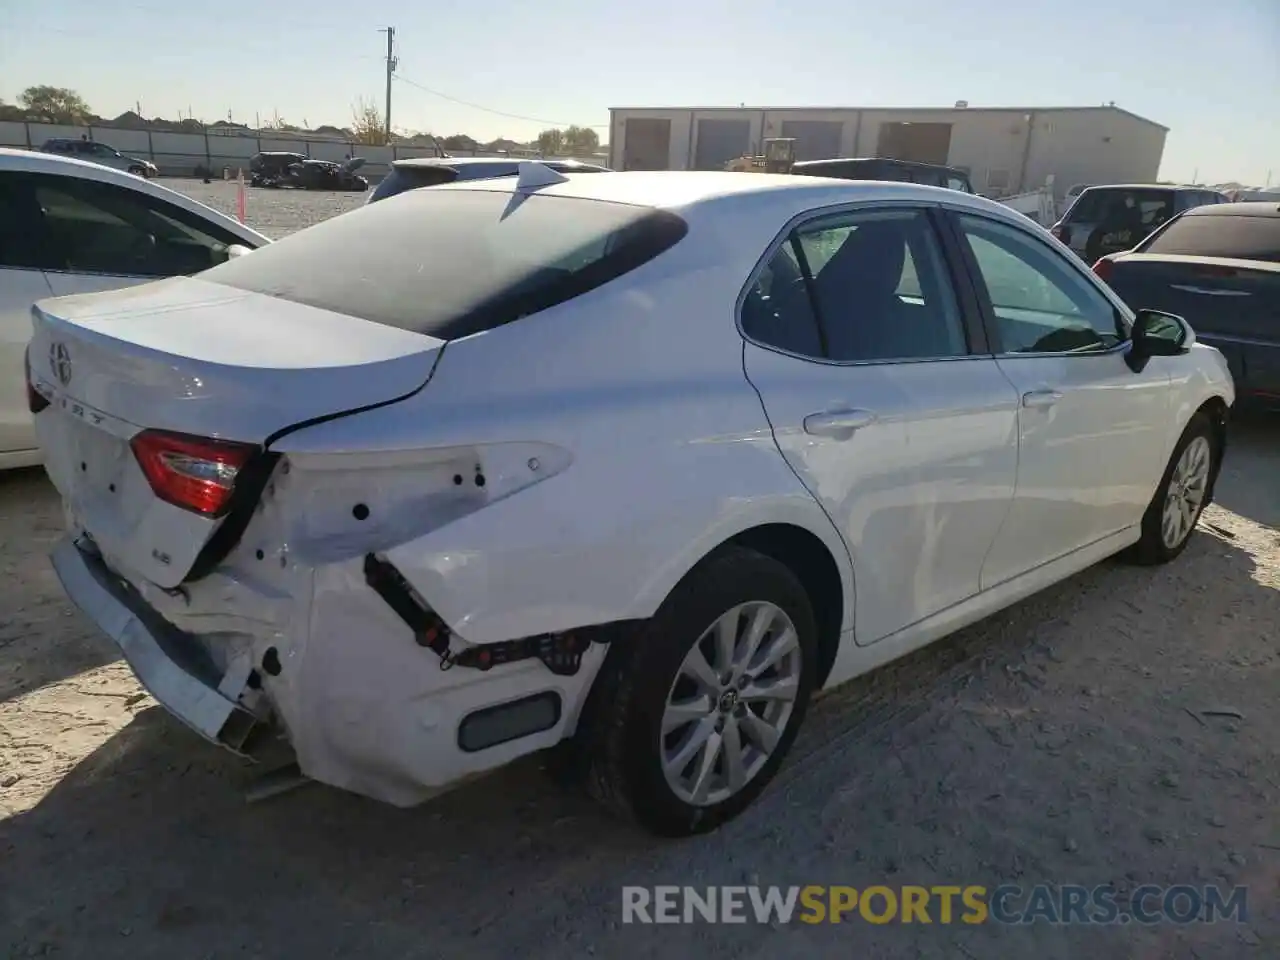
(181, 154)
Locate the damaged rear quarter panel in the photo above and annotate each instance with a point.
(619, 441)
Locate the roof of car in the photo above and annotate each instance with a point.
(36, 162)
(1149, 186)
(485, 161)
(901, 163)
(1247, 208)
(672, 190)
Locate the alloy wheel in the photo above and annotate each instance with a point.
(731, 700)
(1185, 496)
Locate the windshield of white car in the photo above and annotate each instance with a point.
(450, 263)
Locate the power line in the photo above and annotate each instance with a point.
(500, 113)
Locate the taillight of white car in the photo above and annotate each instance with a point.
(194, 473)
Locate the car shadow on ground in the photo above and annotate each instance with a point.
(42, 637)
(1250, 481)
(946, 764)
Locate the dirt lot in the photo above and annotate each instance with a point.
(1063, 741)
(275, 213)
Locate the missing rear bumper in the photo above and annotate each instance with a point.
(170, 664)
(561, 653)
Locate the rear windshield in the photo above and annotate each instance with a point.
(401, 179)
(449, 263)
(1120, 206)
(1220, 235)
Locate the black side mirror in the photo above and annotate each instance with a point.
(1157, 334)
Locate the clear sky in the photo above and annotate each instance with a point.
(1209, 71)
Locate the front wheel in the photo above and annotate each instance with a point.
(1181, 496)
(701, 707)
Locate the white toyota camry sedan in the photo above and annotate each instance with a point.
(632, 465)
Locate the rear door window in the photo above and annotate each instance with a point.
(866, 286)
(450, 263)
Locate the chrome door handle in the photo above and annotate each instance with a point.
(838, 424)
(1041, 398)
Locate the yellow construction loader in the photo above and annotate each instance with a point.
(779, 155)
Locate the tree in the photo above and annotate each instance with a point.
(575, 140)
(581, 141)
(276, 122)
(367, 125)
(550, 142)
(55, 105)
(460, 141)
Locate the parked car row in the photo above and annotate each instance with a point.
(299, 172)
(1219, 267)
(594, 463)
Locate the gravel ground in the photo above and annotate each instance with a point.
(275, 213)
(1063, 741)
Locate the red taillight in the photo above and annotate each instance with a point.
(1104, 268)
(36, 401)
(195, 473)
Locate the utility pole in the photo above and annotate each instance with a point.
(392, 60)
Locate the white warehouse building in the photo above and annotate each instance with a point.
(1005, 150)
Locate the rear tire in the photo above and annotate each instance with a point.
(747, 618)
(1181, 496)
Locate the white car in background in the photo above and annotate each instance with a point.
(629, 464)
(67, 226)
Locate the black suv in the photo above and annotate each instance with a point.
(1116, 217)
(882, 168)
(432, 171)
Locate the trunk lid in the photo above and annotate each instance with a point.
(1233, 305)
(200, 359)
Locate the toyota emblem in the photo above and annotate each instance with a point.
(60, 362)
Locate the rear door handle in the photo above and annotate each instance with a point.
(838, 424)
(1041, 398)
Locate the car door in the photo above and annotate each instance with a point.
(107, 236)
(22, 283)
(1091, 431)
(886, 403)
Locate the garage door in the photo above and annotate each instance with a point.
(922, 142)
(815, 139)
(720, 141)
(646, 144)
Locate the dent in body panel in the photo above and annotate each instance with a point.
(920, 492)
(667, 455)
